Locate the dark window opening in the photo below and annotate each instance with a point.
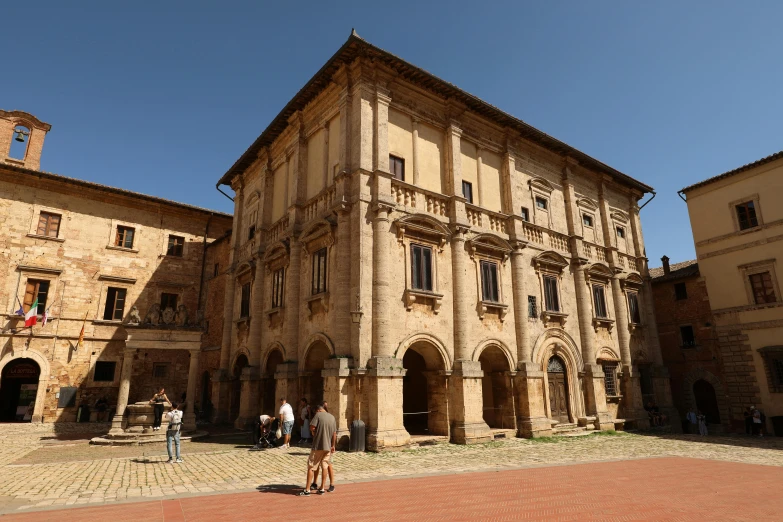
(421, 268)
(599, 301)
(467, 191)
(48, 224)
(114, 310)
(621, 232)
(489, 282)
(610, 378)
(532, 309)
(176, 246)
(36, 290)
(216, 270)
(777, 371)
(525, 213)
(160, 370)
(168, 301)
(587, 220)
(541, 203)
(124, 237)
(244, 303)
(633, 305)
(251, 232)
(397, 167)
(319, 271)
(746, 215)
(680, 292)
(278, 283)
(763, 290)
(551, 298)
(104, 371)
(688, 340)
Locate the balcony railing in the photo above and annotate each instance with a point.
(418, 199)
(533, 234)
(319, 204)
(245, 252)
(486, 219)
(593, 251)
(277, 229)
(558, 241)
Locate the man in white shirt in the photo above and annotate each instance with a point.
(287, 421)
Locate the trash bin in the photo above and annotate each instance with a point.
(357, 436)
(777, 425)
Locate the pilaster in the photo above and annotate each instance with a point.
(383, 386)
(286, 383)
(532, 420)
(466, 404)
(595, 396)
(338, 392)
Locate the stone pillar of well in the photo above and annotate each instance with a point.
(250, 397)
(286, 384)
(338, 392)
(465, 400)
(383, 389)
(189, 418)
(122, 396)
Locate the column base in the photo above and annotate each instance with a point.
(387, 439)
(466, 407)
(385, 428)
(604, 421)
(532, 427)
(474, 433)
(529, 389)
(116, 425)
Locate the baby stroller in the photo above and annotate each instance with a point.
(265, 436)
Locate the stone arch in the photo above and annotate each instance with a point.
(415, 338)
(312, 341)
(498, 344)
(497, 395)
(689, 397)
(276, 345)
(556, 342)
(43, 377)
(235, 358)
(569, 346)
(607, 354)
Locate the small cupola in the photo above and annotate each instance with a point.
(21, 139)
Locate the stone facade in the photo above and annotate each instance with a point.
(736, 219)
(689, 343)
(105, 261)
(429, 264)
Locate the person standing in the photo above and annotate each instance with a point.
(172, 433)
(287, 418)
(748, 414)
(323, 427)
(702, 423)
(692, 421)
(157, 401)
(758, 423)
(305, 414)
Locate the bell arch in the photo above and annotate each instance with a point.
(273, 347)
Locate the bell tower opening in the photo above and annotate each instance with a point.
(21, 139)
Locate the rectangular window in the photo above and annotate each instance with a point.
(36, 289)
(467, 191)
(746, 215)
(525, 213)
(48, 224)
(114, 310)
(551, 298)
(489, 282)
(319, 271)
(397, 167)
(251, 232)
(763, 290)
(168, 301)
(160, 370)
(104, 371)
(532, 309)
(244, 303)
(124, 237)
(777, 372)
(599, 301)
(541, 203)
(587, 219)
(278, 283)
(680, 292)
(688, 340)
(610, 378)
(421, 267)
(621, 232)
(633, 308)
(176, 245)
(216, 270)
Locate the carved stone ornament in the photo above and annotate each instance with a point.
(181, 317)
(168, 315)
(134, 317)
(153, 315)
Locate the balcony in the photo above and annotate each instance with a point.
(320, 204)
(246, 251)
(487, 220)
(594, 252)
(415, 199)
(276, 230)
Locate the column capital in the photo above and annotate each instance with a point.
(382, 95)
(454, 129)
(458, 232)
(382, 210)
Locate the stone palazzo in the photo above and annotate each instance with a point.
(432, 265)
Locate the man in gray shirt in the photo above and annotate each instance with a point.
(324, 430)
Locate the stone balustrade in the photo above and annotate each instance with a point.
(277, 229)
(416, 199)
(319, 204)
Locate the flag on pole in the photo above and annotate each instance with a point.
(21, 307)
(81, 334)
(31, 317)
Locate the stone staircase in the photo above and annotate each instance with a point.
(570, 429)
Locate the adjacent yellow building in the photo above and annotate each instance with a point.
(737, 222)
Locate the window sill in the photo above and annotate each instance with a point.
(635, 326)
(14, 161)
(242, 320)
(122, 249)
(605, 322)
(550, 317)
(107, 322)
(322, 298)
(421, 296)
(501, 308)
(46, 238)
(274, 310)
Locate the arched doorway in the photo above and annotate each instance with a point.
(706, 401)
(270, 384)
(18, 388)
(424, 403)
(495, 388)
(236, 387)
(311, 382)
(558, 389)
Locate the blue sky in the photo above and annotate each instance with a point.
(163, 100)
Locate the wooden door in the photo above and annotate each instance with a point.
(558, 391)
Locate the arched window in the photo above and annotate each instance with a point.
(19, 142)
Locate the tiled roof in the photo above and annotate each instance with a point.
(758, 163)
(356, 46)
(676, 271)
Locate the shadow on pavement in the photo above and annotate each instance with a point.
(282, 489)
(726, 439)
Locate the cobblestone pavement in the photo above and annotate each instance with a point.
(36, 474)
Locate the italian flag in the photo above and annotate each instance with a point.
(31, 317)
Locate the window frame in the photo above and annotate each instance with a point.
(680, 296)
(633, 297)
(419, 267)
(489, 271)
(47, 224)
(772, 356)
(620, 232)
(600, 308)
(588, 220)
(35, 293)
(394, 162)
(611, 382)
(166, 297)
(532, 307)
(120, 241)
(107, 303)
(319, 271)
(245, 291)
(766, 286)
(467, 194)
(544, 203)
(524, 212)
(157, 366)
(556, 296)
(683, 342)
(749, 204)
(113, 371)
(760, 267)
(173, 243)
(278, 287)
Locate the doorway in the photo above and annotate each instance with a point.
(495, 389)
(706, 401)
(270, 384)
(18, 388)
(424, 402)
(236, 388)
(312, 382)
(558, 389)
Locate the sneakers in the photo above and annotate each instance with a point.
(170, 461)
(178, 461)
(330, 490)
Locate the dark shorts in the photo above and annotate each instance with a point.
(287, 427)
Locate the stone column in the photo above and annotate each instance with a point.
(293, 298)
(415, 123)
(383, 345)
(287, 384)
(382, 101)
(480, 189)
(633, 409)
(189, 419)
(340, 318)
(339, 394)
(122, 396)
(520, 302)
(249, 399)
(383, 389)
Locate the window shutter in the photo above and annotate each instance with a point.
(119, 304)
(415, 264)
(427, 268)
(29, 295)
(42, 224)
